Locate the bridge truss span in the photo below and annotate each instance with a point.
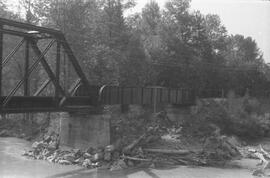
(80, 94)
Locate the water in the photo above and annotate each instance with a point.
(13, 165)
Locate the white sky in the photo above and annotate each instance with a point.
(246, 17)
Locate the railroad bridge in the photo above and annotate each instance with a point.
(81, 94)
(77, 129)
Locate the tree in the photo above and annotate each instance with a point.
(243, 54)
(174, 47)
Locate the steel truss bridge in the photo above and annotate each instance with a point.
(81, 94)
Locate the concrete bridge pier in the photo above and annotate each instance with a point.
(84, 129)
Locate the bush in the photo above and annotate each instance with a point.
(238, 116)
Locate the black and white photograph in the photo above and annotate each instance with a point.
(134, 88)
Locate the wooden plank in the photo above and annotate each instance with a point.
(114, 95)
(136, 95)
(147, 96)
(126, 95)
(165, 95)
(179, 96)
(173, 96)
(159, 95)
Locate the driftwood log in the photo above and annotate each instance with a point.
(166, 151)
(264, 158)
(136, 159)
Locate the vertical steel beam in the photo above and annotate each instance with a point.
(57, 68)
(26, 68)
(1, 56)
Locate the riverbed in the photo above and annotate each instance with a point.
(14, 165)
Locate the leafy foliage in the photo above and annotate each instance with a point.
(173, 47)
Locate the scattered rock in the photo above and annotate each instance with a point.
(53, 146)
(98, 156)
(110, 148)
(77, 152)
(65, 162)
(118, 165)
(87, 155)
(87, 163)
(107, 156)
(138, 149)
(38, 145)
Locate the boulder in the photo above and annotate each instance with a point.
(87, 163)
(98, 156)
(119, 165)
(38, 145)
(53, 146)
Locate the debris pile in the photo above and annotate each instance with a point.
(157, 141)
(219, 147)
(259, 153)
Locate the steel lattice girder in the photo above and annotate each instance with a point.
(31, 34)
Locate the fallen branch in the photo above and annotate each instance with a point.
(179, 152)
(181, 161)
(265, 163)
(128, 148)
(265, 153)
(136, 159)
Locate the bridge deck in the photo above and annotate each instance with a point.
(109, 95)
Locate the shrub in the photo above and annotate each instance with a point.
(239, 116)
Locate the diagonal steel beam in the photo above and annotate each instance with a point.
(74, 87)
(71, 91)
(47, 68)
(31, 69)
(74, 62)
(10, 55)
(42, 87)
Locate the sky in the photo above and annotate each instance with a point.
(246, 17)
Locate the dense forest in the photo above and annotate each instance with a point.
(172, 46)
